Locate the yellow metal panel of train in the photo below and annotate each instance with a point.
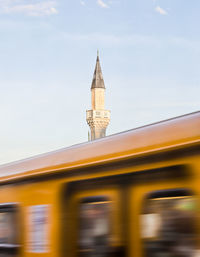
(132, 194)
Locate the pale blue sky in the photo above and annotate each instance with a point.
(149, 53)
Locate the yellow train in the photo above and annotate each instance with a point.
(132, 194)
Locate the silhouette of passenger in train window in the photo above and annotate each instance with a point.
(94, 230)
(176, 235)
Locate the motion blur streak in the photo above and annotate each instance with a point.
(133, 194)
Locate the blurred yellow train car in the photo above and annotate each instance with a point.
(132, 194)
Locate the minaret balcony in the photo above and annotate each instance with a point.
(95, 114)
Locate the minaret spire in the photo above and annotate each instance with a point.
(98, 118)
(97, 81)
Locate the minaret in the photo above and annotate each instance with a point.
(98, 118)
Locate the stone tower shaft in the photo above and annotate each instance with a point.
(98, 118)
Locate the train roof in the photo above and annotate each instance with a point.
(162, 136)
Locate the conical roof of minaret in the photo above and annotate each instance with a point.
(97, 81)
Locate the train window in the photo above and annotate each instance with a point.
(8, 231)
(94, 230)
(168, 226)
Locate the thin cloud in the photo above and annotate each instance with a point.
(29, 8)
(102, 4)
(161, 10)
(82, 2)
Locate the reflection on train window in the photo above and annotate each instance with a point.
(94, 230)
(168, 227)
(8, 231)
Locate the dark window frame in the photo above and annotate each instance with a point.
(10, 248)
(159, 194)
